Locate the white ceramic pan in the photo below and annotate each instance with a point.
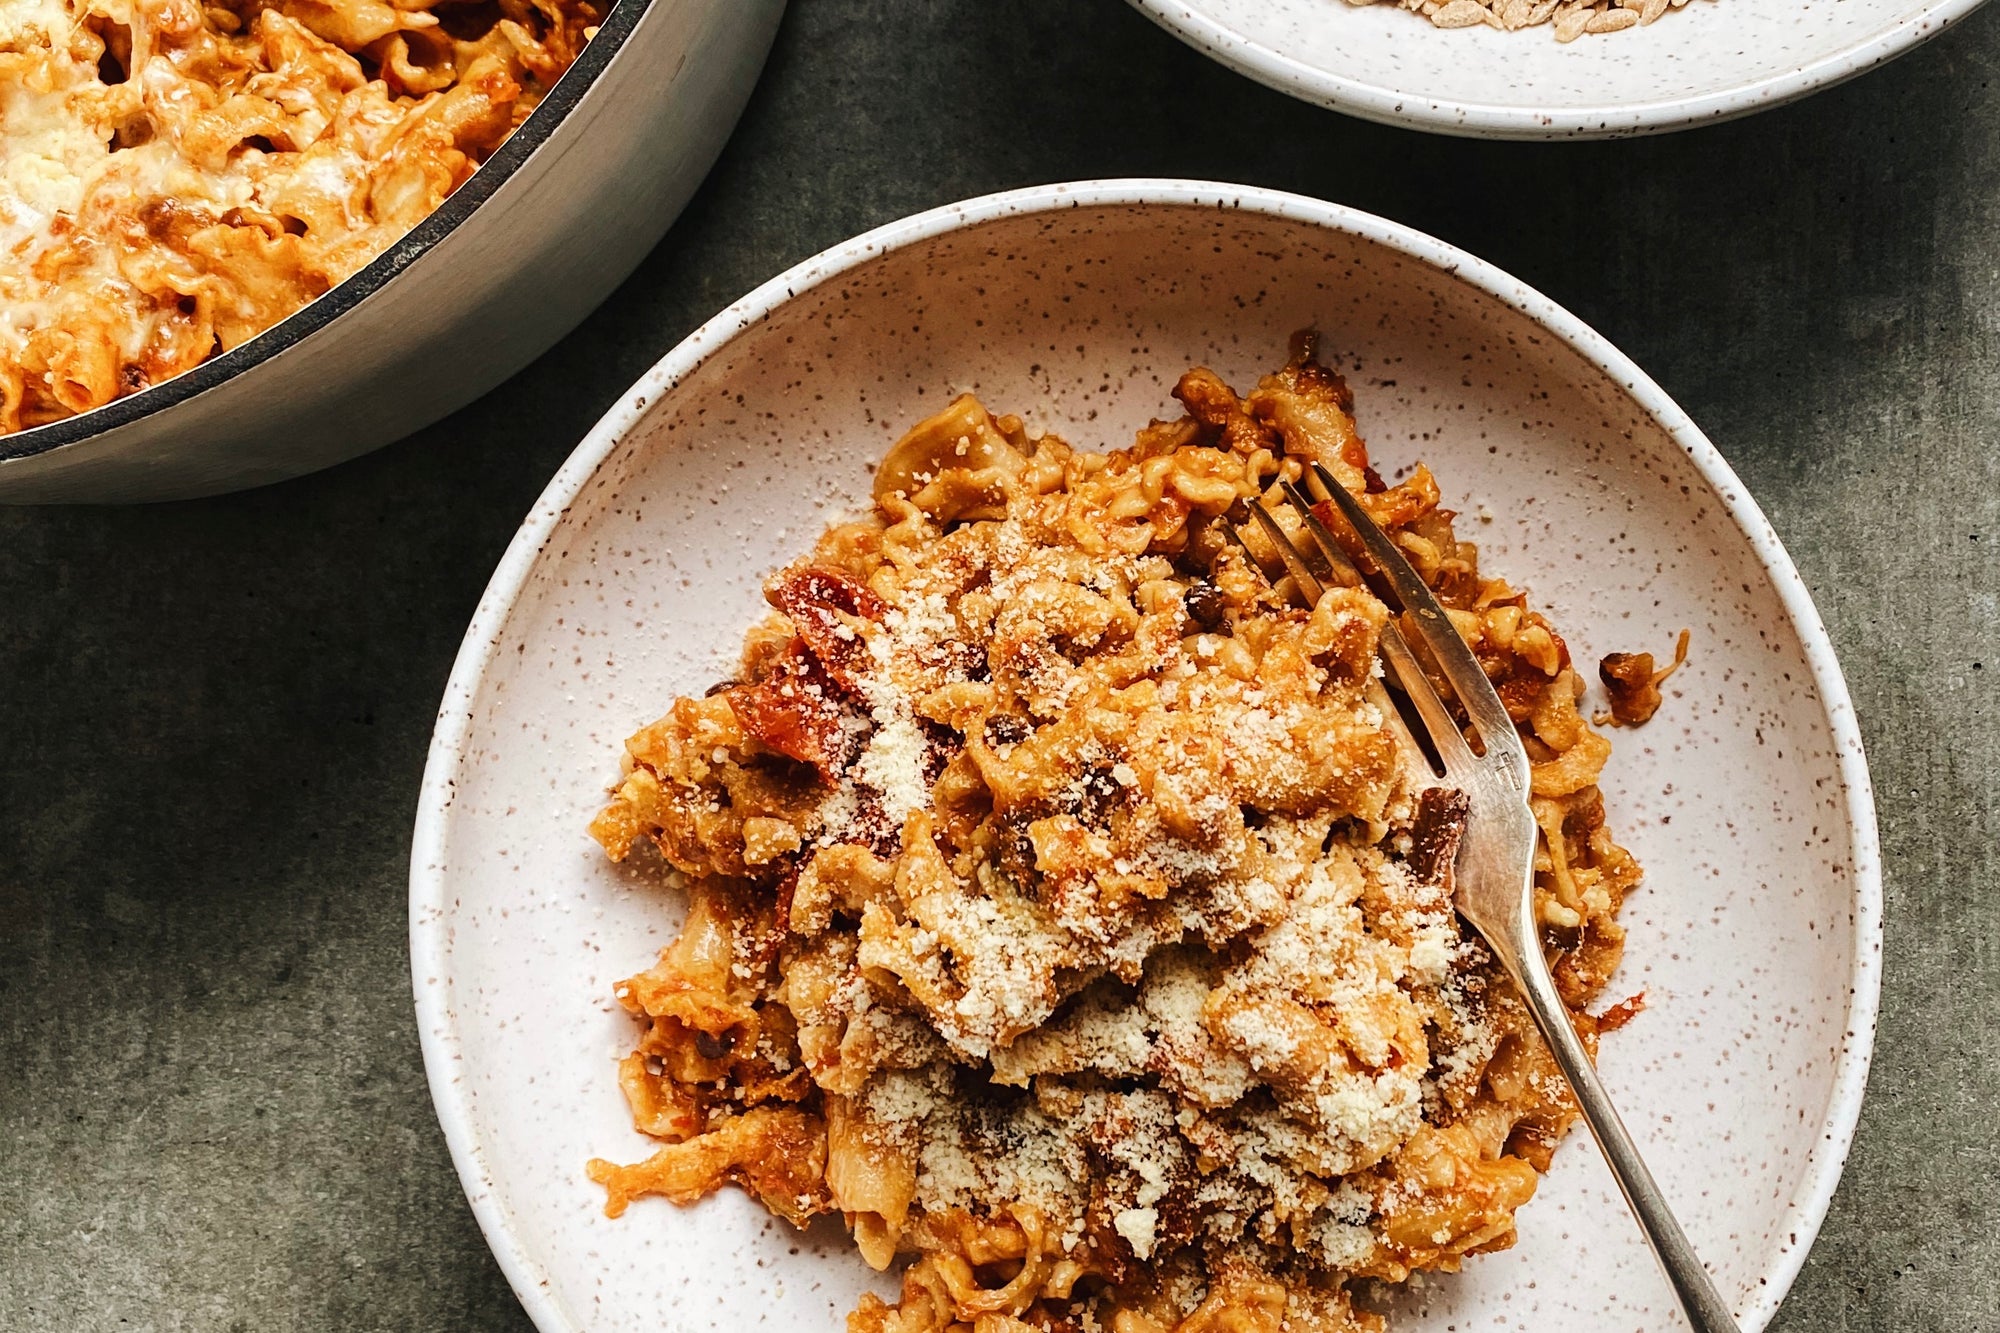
(539, 235)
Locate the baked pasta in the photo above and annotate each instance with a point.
(1068, 909)
(179, 175)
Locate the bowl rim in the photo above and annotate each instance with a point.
(429, 898)
(505, 163)
(1486, 120)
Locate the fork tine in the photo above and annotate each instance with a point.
(1295, 563)
(1337, 562)
(1454, 657)
(1430, 706)
(1236, 539)
(1396, 655)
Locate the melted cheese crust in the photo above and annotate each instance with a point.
(176, 178)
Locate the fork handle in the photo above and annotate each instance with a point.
(1706, 1311)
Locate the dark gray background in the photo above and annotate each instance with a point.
(212, 1110)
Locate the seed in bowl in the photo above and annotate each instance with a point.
(1571, 19)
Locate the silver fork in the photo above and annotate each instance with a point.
(1494, 871)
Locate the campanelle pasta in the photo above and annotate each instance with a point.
(1064, 910)
(179, 176)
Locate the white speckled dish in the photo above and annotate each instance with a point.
(1712, 60)
(1756, 938)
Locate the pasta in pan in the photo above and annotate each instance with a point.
(1065, 909)
(179, 175)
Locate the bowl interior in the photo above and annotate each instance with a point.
(1713, 57)
(1743, 940)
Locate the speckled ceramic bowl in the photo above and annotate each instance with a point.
(1712, 60)
(1755, 938)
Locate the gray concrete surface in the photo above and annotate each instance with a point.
(212, 1111)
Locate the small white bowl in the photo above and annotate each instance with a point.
(1712, 60)
(1756, 939)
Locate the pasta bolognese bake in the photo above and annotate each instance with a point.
(1067, 912)
(179, 175)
